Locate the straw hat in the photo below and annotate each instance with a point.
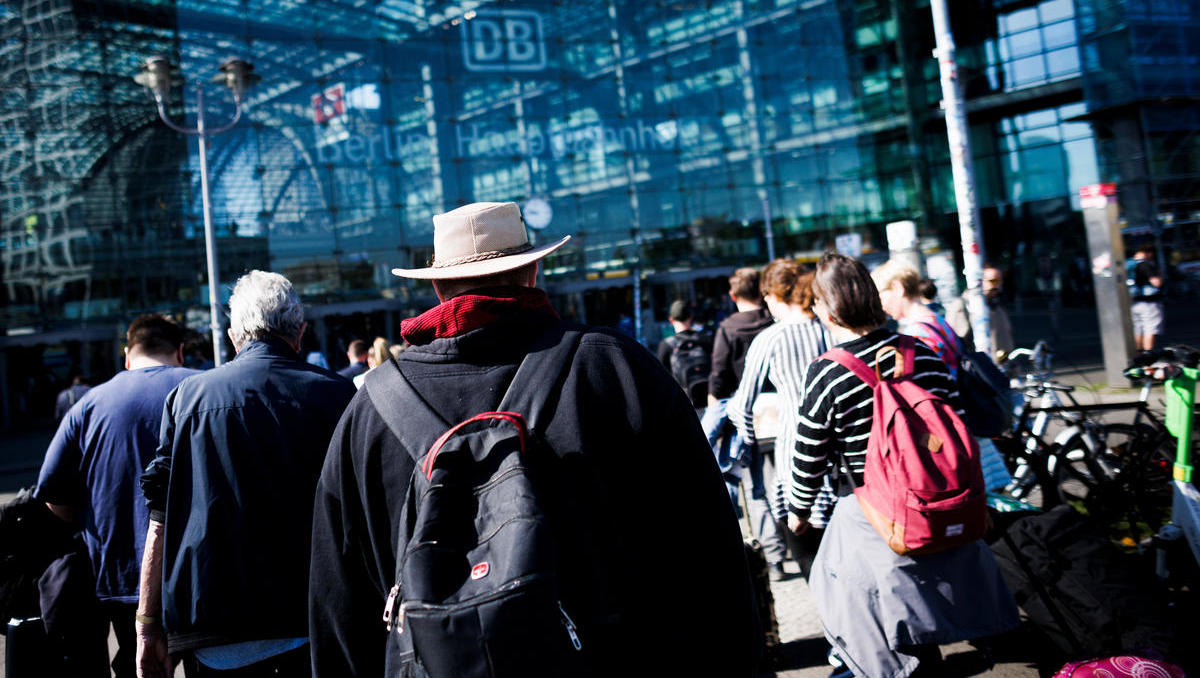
(477, 240)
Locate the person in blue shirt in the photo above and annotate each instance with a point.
(91, 470)
(70, 395)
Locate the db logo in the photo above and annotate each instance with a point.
(504, 40)
(479, 571)
(329, 104)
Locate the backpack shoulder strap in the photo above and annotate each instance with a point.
(906, 348)
(952, 343)
(540, 375)
(847, 360)
(537, 379)
(387, 386)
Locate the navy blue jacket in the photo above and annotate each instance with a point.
(353, 369)
(239, 454)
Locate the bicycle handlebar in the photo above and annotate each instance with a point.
(1179, 355)
(1162, 364)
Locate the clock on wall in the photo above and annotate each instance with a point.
(537, 213)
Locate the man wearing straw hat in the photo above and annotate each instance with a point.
(655, 539)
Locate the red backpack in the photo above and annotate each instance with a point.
(922, 485)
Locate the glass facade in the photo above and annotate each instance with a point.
(664, 135)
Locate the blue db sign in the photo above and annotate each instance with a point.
(504, 40)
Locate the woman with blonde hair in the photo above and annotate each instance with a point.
(900, 296)
(377, 355)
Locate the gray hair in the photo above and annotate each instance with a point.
(263, 304)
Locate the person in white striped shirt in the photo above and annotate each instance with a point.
(779, 356)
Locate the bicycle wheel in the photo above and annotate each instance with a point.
(1032, 482)
(1121, 475)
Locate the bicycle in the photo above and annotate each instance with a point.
(1032, 459)
(1121, 473)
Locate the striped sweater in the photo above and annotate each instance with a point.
(835, 416)
(780, 354)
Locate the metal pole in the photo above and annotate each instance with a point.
(614, 36)
(964, 178)
(210, 241)
(769, 231)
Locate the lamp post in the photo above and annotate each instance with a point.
(158, 75)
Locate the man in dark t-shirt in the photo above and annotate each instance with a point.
(90, 474)
(1146, 299)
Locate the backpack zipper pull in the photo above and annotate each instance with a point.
(393, 617)
(571, 630)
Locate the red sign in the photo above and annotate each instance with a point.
(329, 104)
(1097, 190)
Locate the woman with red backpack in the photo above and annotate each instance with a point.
(901, 568)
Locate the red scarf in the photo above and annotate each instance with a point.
(471, 311)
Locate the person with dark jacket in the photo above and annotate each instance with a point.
(616, 417)
(734, 336)
(230, 497)
(356, 353)
(735, 333)
(90, 474)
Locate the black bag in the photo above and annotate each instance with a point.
(985, 395)
(691, 363)
(35, 548)
(27, 651)
(31, 537)
(1078, 588)
(480, 589)
(982, 388)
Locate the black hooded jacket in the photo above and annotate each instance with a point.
(729, 349)
(670, 540)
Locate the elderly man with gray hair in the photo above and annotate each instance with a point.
(230, 494)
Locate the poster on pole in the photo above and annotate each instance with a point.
(939, 266)
(849, 244)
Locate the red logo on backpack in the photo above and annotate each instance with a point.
(480, 571)
(922, 484)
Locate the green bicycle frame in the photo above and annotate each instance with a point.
(1181, 399)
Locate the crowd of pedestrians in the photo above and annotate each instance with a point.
(511, 493)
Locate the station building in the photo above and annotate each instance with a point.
(674, 139)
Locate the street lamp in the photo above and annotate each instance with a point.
(159, 76)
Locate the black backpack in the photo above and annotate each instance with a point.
(479, 586)
(982, 388)
(1081, 592)
(691, 363)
